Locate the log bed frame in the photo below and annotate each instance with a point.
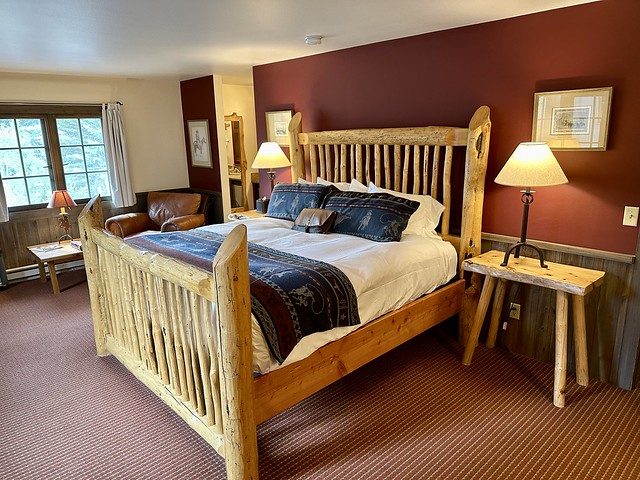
(152, 312)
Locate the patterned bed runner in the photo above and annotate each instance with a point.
(291, 296)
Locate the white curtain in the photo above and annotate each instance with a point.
(4, 208)
(121, 192)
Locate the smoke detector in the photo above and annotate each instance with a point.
(313, 39)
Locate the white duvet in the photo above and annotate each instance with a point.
(385, 276)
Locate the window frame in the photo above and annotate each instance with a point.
(48, 114)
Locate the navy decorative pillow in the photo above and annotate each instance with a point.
(288, 199)
(380, 217)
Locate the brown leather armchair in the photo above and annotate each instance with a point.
(166, 212)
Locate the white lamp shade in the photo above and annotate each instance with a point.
(270, 155)
(532, 164)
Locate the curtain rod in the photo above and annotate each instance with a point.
(75, 104)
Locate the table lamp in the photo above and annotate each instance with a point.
(270, 156)
(62, 200)
(532, 164)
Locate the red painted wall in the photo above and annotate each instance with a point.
(440, 78)
(198, 104)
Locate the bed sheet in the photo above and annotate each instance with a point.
(385, 276)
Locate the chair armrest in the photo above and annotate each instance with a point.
(185, 222)
(127, 224)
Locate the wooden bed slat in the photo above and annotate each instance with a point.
(446, 188)
(167, 333)
(359, 171)
(436, 171)
(416, 170)
(377, 154)
(156, 328)
(425, 169)
(387, 168)
(405, 169)
(397, 157)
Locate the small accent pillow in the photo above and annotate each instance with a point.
(425, 220)
(314, 220)
(380, 217)
(288, 199)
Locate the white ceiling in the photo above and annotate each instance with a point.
(189, 38)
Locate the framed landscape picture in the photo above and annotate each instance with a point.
(278, 126)
(572, 119)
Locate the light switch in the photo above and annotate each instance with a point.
(630, 216)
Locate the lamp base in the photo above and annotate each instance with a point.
(517, 248)
(63, 222)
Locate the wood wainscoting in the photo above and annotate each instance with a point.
(33, 227)
(612, 313)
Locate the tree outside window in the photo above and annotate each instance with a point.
(54, 149)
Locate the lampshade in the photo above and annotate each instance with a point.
(61, 198)
(532, 164)
(270, 155)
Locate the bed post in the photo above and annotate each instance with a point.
(231, 271)
(472, 202)
(296, 151)
(91, 217)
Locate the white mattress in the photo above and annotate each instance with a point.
(385, 276)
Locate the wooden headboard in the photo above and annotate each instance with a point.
(411, 160)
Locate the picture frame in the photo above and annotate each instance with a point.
(199, 140)
(572, 119)
(278, 126)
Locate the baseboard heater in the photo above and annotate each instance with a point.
(29, 272)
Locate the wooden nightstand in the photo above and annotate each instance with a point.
(52, 253)
(564, 279)
(251, 214)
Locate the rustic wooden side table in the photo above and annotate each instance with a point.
(564, 279)
(251, 214)
(52, 253)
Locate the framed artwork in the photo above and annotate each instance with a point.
(572, 119)
(199, 143)
(278, 126)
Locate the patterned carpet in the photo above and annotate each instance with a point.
(416, 413)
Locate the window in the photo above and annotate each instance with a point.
(46, 148)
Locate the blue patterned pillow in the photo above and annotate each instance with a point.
(380, 217)
(288, 199)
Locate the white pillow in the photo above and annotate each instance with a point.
(425, 219)
(303, 181)
(344, 186)
(356, 186)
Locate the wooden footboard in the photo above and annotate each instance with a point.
(154, 314)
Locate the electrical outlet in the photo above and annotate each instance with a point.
(514, 311)
(630, 218)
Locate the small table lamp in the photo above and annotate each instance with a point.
(61, 199)
(532, 164)
(270, 156)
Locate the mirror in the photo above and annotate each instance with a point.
(236, 161)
